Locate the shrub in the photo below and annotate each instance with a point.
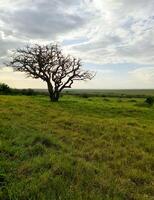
(4, 88)
(132, 100)
(150, 101)
(106, 99)
(119, 100)
(84, 95)
(28, 92)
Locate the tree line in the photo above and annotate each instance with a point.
(6, 90)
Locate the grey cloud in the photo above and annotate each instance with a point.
(5, 46)
(37, 19)
(128, 38)
(43, 19)
(124, 31)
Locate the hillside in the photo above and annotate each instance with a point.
(77, 149)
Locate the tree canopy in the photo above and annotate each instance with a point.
(48, 62)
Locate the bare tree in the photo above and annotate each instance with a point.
(49, 64)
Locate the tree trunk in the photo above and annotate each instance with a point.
(50, 90)
(54, 95)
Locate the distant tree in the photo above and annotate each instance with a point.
(48, 63)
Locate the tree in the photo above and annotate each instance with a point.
(48, 63)
(4, 88)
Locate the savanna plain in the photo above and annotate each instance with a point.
(80, 148)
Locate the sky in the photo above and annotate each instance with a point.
(114, 38)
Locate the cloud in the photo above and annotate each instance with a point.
(98, 31)
(111, 35)
(144, 74)
(42, 19)
(118, 37)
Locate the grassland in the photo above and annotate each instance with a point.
(92, 148)
(113, 92)
(142, 93)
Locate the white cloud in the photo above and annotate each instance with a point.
(144, 75)
(114, 31)
(117, 37)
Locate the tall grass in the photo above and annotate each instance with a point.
(91, 148)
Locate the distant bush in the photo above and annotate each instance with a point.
(120, 100)
(103, 95)
(132, 100)
(28, 92)
(84, 95)
(149, 101)
(5, 89)
(105, 99)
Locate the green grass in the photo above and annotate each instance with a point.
(111, 92)
(77, 149)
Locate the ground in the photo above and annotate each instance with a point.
(80, 148)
